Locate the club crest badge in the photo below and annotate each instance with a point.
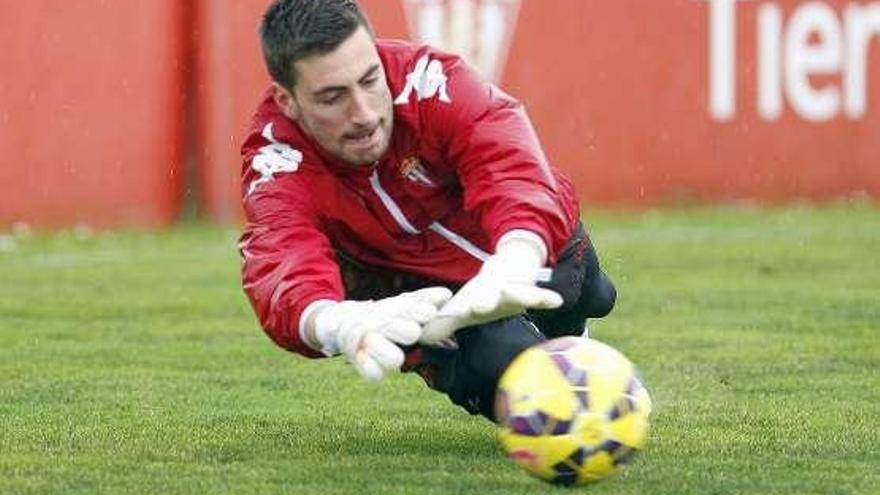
(411, 168)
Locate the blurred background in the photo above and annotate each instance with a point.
(129, 114)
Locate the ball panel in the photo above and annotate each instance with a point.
(532, 383)
(629, 417)
(598, 465)
(539, 455)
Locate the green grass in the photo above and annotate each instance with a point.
(131, 363)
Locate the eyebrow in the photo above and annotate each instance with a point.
(371, 71)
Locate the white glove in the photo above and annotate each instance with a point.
(367, 332)
(504, 286)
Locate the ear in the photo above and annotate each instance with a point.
(286, 101)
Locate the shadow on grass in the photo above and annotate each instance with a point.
(322, 436)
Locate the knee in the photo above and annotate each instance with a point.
(603, 298)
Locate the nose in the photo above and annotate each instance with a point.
(359, 110)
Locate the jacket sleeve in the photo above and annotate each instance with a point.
(288, 262)
(505, 176)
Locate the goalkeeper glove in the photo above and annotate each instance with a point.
(368, 333)
(504, 286)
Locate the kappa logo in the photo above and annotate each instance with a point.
(412, 169)
(478, 30)
(427, 80)
(273, 158)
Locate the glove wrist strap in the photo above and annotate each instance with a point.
(521, 254)
(325, 328)
(522, 242)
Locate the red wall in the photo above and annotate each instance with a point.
(229, 81)
(92, 101)
(90, 112)
(623, 106)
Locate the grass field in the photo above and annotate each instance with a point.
(131, 363)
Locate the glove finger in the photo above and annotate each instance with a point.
(458, 306)
(439, 329)
(486, 301)
(350, 339)
(367, 367)
(435, 296)
(402, 331)
(418, 311)
(387, 355)
(550, 299)
(532, 297)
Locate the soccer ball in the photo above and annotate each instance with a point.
(571, 410)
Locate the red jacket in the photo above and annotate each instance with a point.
(464, 166)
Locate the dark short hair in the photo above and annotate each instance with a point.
(296, 29)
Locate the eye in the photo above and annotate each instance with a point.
(329, 100)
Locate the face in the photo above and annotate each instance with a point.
(342, 101)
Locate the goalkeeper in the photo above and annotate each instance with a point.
(401, 212)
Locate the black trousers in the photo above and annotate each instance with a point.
(469, 374)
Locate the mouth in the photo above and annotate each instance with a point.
(365, 139)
